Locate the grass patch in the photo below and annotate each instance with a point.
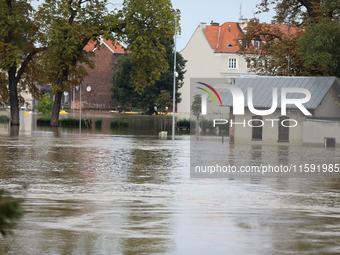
(119, 123)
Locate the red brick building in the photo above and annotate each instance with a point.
(95, 92)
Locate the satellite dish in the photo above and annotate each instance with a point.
(65, 93)
(88, 89)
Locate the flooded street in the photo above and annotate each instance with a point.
(130, 192)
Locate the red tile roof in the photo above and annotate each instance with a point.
(211, 33)
(222, 38)
(116, 47)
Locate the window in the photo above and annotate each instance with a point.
(257, 44)
(232, 63)
(257, 124)
(283, 129)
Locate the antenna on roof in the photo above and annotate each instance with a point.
(241, 16)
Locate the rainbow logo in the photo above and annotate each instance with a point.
(209, 93)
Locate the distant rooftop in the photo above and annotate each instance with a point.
(262, 89)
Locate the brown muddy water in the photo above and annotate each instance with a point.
(129, 192)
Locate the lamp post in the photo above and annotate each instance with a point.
(81, 77)
(176, 12)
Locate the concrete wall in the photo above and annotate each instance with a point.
(315, 132)
(270, 131)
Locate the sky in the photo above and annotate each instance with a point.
(195, 11)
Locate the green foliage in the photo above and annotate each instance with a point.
(43, 121)
(70, 122)
(148, 28)
(98, 123)
(204, 124)
(119, 123)
(10, 212)
(19, 34)
(163, 101)
(45, 104)
(183, 123)
(70, 25)
(313, 50)
(114, 123)
(320, 45)
(187, 123)
(67, 122)
(124, 93)
(4, 118)
(196, 105)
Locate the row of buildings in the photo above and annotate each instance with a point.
(212, 58)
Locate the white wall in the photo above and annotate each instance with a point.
(315, 132)
(328, 107)
(204, 63)
(243, 135)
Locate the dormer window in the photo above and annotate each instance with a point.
(257, 44)
(229, 45)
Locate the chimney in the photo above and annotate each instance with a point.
(212, 23)
(203, 25)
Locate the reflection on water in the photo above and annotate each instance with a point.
(122, 193)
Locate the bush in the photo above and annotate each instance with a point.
(124, 124)
(183, 123)
(68, 122)
(10, 212)
(114, 124)
(45, 104)
(4, 118)
(206, 124)
(98, 123)
(43, 121)
(119, 123)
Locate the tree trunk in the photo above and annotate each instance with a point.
(56, 109)
(13, 96)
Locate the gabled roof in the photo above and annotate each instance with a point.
(115, 47)
(223, 38)
(220, 37)
(262, 89)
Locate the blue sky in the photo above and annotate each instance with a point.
(196, 11)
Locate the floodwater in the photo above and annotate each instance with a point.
(130, 192)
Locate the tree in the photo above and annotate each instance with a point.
(45, 104)
(321, 47)
(18, 36)
(125, 94)
(312, 50)
(272, 49)
(163, 101)
(71, 24)
(196, 109)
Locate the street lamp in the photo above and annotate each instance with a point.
(81, 78)
(176, 12)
